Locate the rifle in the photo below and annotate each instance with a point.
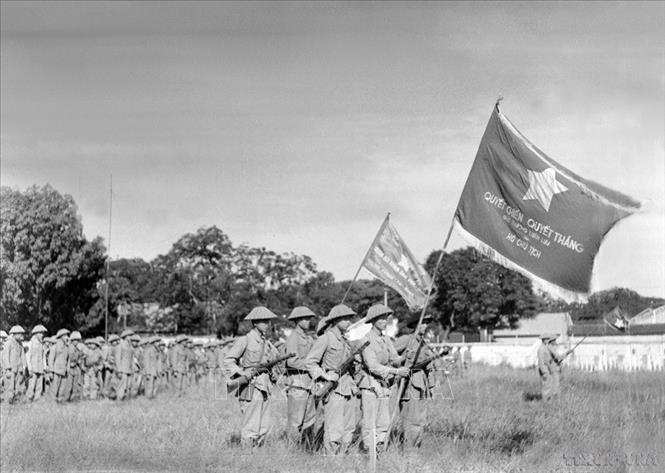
(422, 364)
(573, 349)
(341, 371)
(239, 381)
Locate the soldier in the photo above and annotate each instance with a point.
(549, 366)
(411, 405)
(13, 363)
(75, 370)
(329, 351)
(124, 365)
(48, 372)
(109, 357)
(301, 412)
(92, 367)
(59, 366)
(150, 367)
(138, 345)
(36, 363)
(254, 397)
(163, 365)
(3, 338)
(380, 369)
(178, 363)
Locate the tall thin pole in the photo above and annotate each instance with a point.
(108, 262)
(385, 221)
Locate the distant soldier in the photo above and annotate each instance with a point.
(191, 361)
(138, 345)
(92, 367)
(301, 411)
(59, 366)
(178, 363)
(163, 365)
(48, 372)
(3, 339)
(150, 366)
(75, 370)
(212, 368)
(13, 363)
(411, 405)
(36, 363)
(201, 361)
(109, 357)
(124, 365)
(381, 366)
(549, 366)
(254, 397)
(329, 351)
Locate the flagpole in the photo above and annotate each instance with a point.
(385, 221)
(106, 290)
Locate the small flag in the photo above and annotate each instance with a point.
(529, 213)
(391, 261)
(616, 319)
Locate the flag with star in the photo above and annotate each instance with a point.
(390, 261)
(531, 214)
(616, 318)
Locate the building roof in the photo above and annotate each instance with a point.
(649, 316)
(545, 322)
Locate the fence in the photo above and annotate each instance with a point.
(626, 353)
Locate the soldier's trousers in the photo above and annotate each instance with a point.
(300, 411)
(74, 384)
(256, 418)
(90, 385)
(339, 423)
(59, 386)
(179, 382)
(136, 384)
(414, 418)
(109, 381)
(12, 386)
(550, 385)
(376, 416)
(123, 388)
(35, 386)
(150, 386)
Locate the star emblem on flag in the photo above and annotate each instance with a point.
(404, 263)
(543, 186)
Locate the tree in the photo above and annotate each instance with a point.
(600, 303)
(48, 270)
(473, 292)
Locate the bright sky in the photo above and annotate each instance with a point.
(297, 126)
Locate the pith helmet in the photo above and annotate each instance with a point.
(376, 311)
(16, 329)
(100, 340)
(338, 312)
(92, 341)
(48, 340)
(39, 329)
(260, 313)
(135, 336)
(113, 338)
(127, 333)
(76, 335)
(548, 336)
(180, 338)
(61, 332)
(300, 313)
(3, 334)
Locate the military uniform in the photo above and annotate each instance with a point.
(92, 364)
(59, 365)
(150, 367)
(124, 365)
(109, 357)
(328, 352)
(75, 369)
(549, 367)
(254, 397)
(178, 364)
(380, 361)
(301, 411)
(13, 364)
(36, 358)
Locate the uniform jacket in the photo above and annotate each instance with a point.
(93, 360)
(13, 356)
(299, 343)
(407, 346)
(178, 358)
(150, 361)
(124, 362)
(59, 357)
(548, 359)
(36, 356)
(379, 359)
(248, 351)
(327, 354)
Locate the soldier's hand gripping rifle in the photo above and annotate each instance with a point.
(344, 368)
(238, 381)
(421, 365)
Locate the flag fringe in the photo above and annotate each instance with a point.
(585, 189)
(539, 283)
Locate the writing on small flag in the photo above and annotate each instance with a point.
(390, 261)
(529, 213)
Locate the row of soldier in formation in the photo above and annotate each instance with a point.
(326, 376)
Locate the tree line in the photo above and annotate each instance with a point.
(51, 274)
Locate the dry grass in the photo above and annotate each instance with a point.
(490, 426)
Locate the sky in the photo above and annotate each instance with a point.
(298, 126)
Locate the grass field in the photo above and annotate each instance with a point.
(604, 422)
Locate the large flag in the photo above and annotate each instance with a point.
(390, 261)
(529, 213)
